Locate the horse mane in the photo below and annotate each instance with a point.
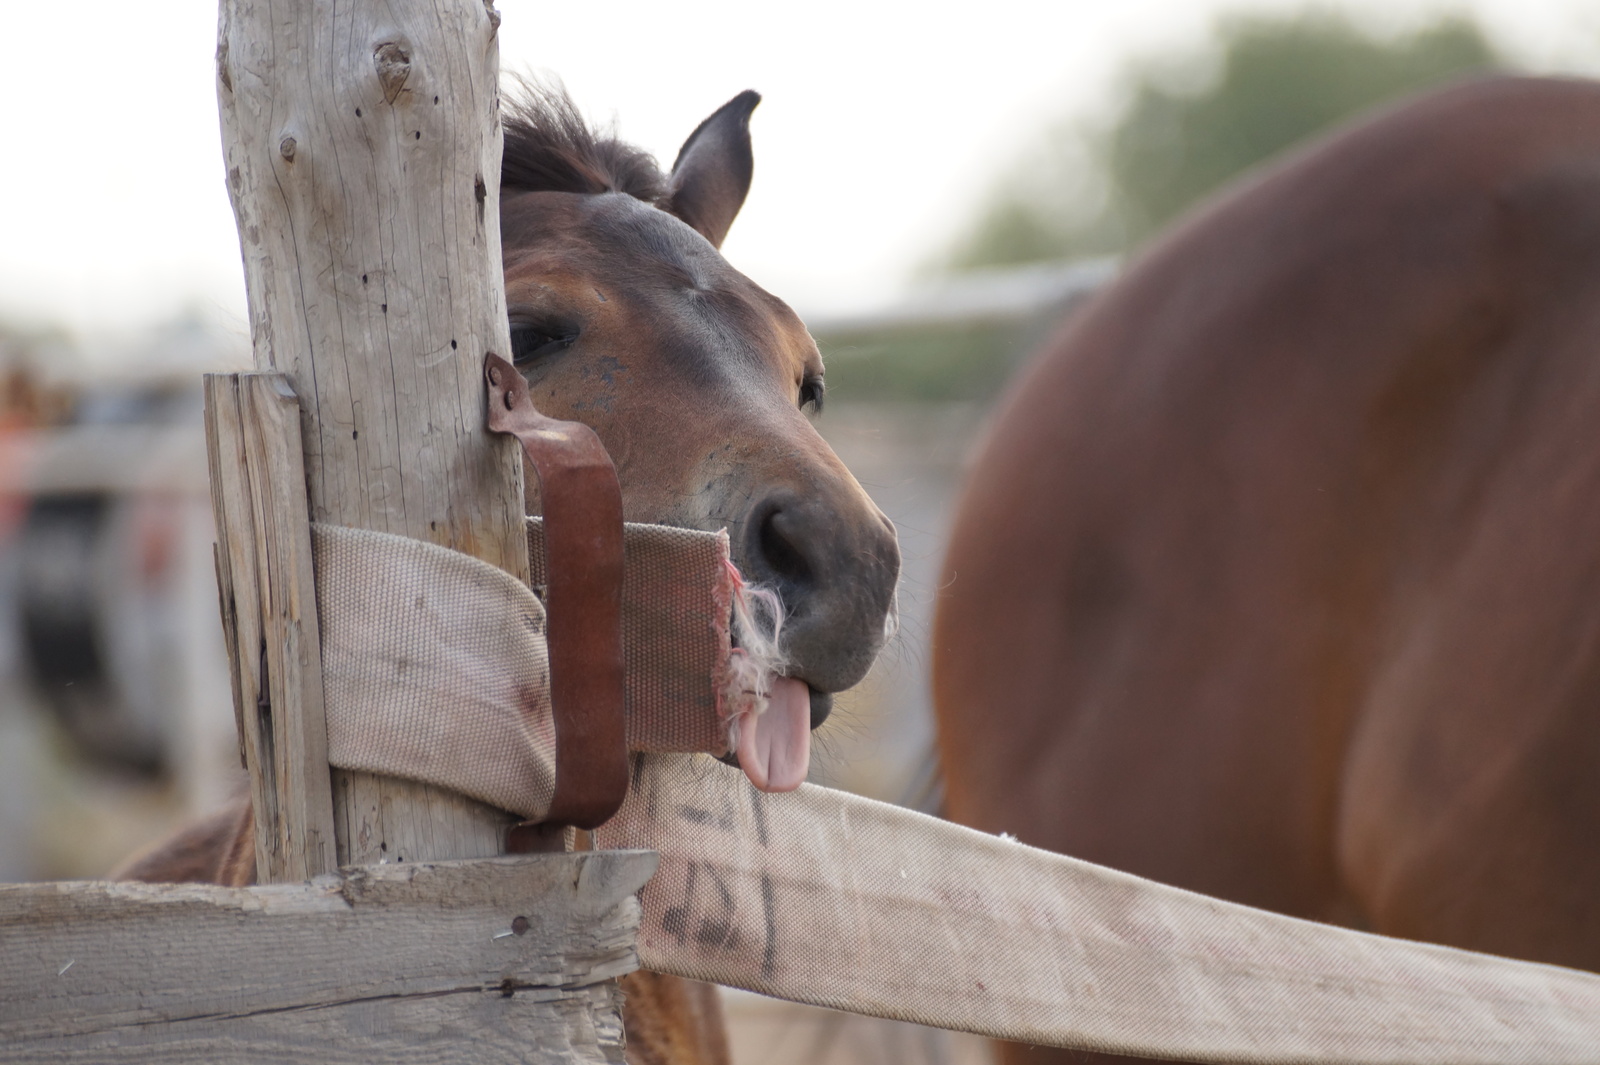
(549, 147)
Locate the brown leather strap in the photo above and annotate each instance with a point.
(583, 601)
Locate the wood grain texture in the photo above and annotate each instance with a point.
(269, 610)
(415, 962)
(363, 160)
(381, 818)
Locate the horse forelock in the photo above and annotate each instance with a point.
(550, 147)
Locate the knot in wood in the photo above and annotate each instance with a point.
(286, 148)
(393, 63)
(222, 65)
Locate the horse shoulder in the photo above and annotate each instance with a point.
(217, 850)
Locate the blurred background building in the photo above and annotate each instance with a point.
(927, 273)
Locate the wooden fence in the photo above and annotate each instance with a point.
(362, 146)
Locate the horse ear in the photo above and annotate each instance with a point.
(712, 173)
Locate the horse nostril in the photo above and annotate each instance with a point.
(833, 566)
(781, 550)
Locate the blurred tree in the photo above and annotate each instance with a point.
(1193, 121)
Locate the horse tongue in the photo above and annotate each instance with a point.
(775, 746)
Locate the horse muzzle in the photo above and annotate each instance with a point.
(834, 563)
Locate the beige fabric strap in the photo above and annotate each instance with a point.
(677, 596)
(435, 669)
(822, 897)
(433, 661)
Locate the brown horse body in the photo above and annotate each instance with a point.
(625, 316)
(1278, 575)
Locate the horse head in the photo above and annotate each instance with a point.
(625, 316)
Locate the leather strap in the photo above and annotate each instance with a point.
(583, 601)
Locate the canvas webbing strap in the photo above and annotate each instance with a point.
(435, 665)
(434, 669)
(826, 898)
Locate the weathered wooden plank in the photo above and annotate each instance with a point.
(269, 609)
(483, 1028)
(390, 819)
(363, 153)
(231, 509)
(505, 959)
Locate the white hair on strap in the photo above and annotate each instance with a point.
(757, 658)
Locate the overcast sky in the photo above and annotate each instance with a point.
(882, 124)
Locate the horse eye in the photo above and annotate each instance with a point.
(812, 391)
(529, 343)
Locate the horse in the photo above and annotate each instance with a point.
(1277, 574)
(625, 316)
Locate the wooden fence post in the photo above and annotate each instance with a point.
(363, 156)
(269, 619)
(363, 159)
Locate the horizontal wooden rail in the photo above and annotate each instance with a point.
(482, 961)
